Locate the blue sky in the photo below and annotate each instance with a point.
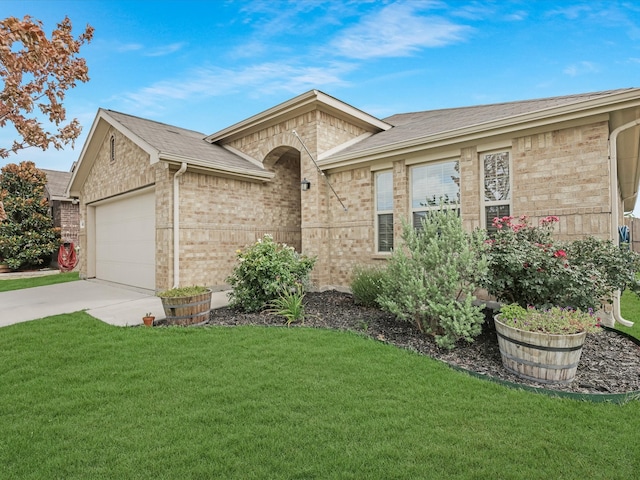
(205, 65)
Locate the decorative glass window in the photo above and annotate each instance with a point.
(496, 174)
(433, 186)
(384, 211)
(112, 149)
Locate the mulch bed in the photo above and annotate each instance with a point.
(610, 362)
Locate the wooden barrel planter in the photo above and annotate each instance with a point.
(540, 357)
(4, 268)
(187, 310)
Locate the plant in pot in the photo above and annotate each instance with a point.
(543, 345)
(186, 305)
(148, 319)
(557, 285)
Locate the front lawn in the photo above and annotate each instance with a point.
(20, 283)
(81, 399)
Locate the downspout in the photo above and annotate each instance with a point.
(176, 225)
(613, 158)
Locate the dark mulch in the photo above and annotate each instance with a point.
(610, 362)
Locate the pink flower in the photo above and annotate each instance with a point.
(560, 254)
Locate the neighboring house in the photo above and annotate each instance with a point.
(65, 210)
(163, 206)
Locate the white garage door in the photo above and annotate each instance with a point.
(126, 240)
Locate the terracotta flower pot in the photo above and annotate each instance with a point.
(148, 321)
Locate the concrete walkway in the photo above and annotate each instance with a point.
(113, 304)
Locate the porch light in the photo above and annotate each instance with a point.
(305, 185)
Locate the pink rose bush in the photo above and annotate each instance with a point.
(529, 267)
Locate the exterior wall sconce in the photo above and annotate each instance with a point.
(305, 185)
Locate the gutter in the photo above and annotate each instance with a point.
(613, 159)
(176, 225)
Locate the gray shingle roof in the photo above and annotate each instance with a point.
(170, 140)
(410, 126)
(57, 182)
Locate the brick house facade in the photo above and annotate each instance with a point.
(64, 210)
(207, 196)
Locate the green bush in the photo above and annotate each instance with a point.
(366, 285)
(430, 280)
(264, 271)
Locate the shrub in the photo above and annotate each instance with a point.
(430, 280)
(528, 267)
(366, 285)
(264, 271)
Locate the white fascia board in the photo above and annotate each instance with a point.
(238, 172)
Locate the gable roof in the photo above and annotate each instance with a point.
(57, 183)
(418, 129)
(163, 142)
(308, 101)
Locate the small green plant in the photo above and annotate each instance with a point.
(265, 270)
(183, 292)
(431, 278)
(366, 285)
(289, 305)
(555, 321)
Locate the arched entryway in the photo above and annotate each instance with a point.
(283, 195)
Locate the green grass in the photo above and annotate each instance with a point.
(630, 310)
(20, 283)
(81, 399)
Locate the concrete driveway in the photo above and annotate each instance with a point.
(116, 305)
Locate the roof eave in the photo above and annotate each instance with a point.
(194, 163)
(535, 119)
(300, 104)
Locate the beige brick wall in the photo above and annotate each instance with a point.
(562, 172)
(220, 215)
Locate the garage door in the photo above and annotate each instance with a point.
(126, 240)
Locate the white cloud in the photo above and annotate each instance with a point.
(395, 31)
(266, 78)
(581, 68)
(165, 50)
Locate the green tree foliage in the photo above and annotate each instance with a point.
(27, 235)
(430, 280)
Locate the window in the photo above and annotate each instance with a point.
(384, 211)
(112, 149)
(433, 186)
(496, 168)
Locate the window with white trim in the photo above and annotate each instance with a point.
(496, 181)
(433, 186)
(384, 211)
